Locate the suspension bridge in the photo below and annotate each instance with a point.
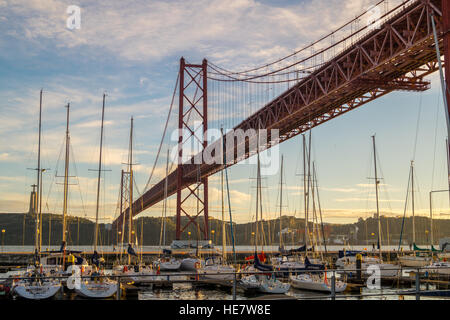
(293, 94)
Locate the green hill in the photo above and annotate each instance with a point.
(20, 230)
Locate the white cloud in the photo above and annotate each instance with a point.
(235, 31)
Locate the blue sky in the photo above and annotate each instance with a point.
(132, 52)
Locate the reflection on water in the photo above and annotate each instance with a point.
(184, 293)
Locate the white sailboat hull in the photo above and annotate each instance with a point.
(217, 272)
(189, 264)
(412, 261)
(36, 291)
(439, 268)
(137, 277)
(145, 274)
(264, 285)
(386, 269)
(97, 290)
(274, 287)
(170, 265)
(307, 283)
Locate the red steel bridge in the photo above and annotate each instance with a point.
(370, 63)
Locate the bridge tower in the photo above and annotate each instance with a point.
(192, 116)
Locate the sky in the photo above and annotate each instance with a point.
(131, 51)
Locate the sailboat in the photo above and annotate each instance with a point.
(167, 262)
(138, 274)
(35, 287)
(416, 259)
(316, 282)
(386, 269)
(257, 277)
(216, 268)
(285, 262)
(306, 279)
(100, 287)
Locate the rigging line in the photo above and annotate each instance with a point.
(271, 73)
(293, 64)
(250, 80)
(164, 133)
(320, 208)
(276, 74)
(76, 175)
(56, 172)
(404, 211)
(385, 192)
(417, 126)
(435, 139)
(319, 40)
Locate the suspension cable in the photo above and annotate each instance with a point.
(229, 74)
(164, 134)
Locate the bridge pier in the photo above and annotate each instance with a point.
(194, 95)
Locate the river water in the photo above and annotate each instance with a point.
(187, 292)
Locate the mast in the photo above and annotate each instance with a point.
(121, 210)
(165, 199)
(99, 175)
(281, 198)
(66, 176)
(38, 184)
(224, 254)
(257, 198)
(412, 202)
(308, 153)
(304, 190)
(261, 230)
(130, 206)
(376, 193)
(315, 231)
(445, 90)
(431, 222)
(320, 210)
(229, 211)
(448, 167)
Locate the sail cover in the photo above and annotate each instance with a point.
(313, 266)
(260, 266)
